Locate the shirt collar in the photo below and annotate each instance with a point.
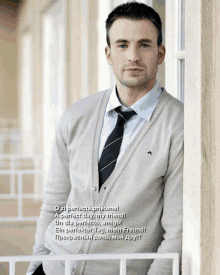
(144, 107)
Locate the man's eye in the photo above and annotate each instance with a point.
(144, 45)
(123, 46)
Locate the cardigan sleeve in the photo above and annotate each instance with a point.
(172, 217)
(56, 193)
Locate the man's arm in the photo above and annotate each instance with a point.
(172, 217)
(56, 193)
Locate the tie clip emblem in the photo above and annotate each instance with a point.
(149, 152)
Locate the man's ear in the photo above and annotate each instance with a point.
(161, 54)
(108, 55)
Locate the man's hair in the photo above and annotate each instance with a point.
(135, 11)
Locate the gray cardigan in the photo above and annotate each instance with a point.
(145, 189)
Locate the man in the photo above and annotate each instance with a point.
(118, 154)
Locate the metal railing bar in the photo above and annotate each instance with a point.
(26, 172)
(81, 257)
(12, 171)
(67, 268)
(87, 257)
(176, 264)
(12, 177)
(13, 156)
(18, 219)
(20, 199)
(123, 267)
(12, 267)
(15, 196)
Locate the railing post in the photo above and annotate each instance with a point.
(11, 267)
(20, 197)
(176, 265)
(68, 259)
(12, 175)
(123, 267)
(67, 267)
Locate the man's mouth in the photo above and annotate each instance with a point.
(134, 69)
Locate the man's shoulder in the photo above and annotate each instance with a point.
(172, 105)
(86, 105)
(172, 112)
(172, 102)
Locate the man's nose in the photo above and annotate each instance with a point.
(133, 54)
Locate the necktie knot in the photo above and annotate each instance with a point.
(124, 116)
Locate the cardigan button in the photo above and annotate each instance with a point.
(93, 188)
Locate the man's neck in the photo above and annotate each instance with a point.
(128, 96)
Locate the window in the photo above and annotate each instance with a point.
(175, 45)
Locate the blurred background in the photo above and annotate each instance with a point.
(51, 55)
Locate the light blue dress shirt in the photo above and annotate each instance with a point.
(144, 109)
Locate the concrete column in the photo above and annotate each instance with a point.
(75, 50)
(216, 137)
(199, 197)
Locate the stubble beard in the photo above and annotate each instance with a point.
(143, 83)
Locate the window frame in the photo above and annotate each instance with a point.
(174, 76)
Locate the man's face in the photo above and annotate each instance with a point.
(133, 52)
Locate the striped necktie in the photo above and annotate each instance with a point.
(112, 147)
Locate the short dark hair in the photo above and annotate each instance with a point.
(135, 11)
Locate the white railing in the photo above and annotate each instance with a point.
(11, 138)
(70, 258)
(12, 171)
